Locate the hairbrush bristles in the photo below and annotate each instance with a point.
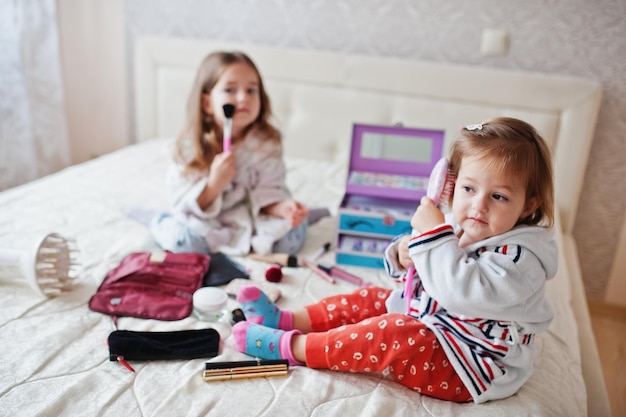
(440, 183)
(448, 190)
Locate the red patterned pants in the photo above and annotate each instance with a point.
(354, 333)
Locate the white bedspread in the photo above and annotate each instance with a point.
(54, 352)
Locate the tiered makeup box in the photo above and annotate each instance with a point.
(387, 177)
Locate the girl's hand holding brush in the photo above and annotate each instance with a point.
(221, 174)
(223, 169)
(427, 216)
(403, 252)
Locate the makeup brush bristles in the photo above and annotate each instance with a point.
(229, 110)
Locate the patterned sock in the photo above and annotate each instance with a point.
(264, 342)
(261, 310)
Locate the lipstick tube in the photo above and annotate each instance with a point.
(341, 274)
(317, 270)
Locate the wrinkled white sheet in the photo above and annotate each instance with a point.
(54, 352)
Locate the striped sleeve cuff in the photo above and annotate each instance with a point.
(435, 234)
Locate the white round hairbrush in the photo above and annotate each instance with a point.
(50, 267)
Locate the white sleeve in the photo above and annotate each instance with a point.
(184, 195)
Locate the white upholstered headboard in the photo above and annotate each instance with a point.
(317, 96)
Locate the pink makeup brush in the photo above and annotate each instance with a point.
(439, 189)
(229, 111)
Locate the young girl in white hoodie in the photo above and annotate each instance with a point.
(479, 298)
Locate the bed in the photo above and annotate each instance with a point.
(55, 357)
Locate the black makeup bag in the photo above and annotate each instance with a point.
(125, 345)
(222, 270)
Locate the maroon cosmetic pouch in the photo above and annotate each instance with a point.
(158, 285)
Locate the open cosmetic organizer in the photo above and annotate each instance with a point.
(387, 176)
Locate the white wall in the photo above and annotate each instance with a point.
(92, 38)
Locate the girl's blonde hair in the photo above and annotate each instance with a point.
(517, 151)
(200, 128)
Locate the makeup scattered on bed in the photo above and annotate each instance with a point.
(320, 272)
(290, 260)
(223, 371)
(321, 251)
(271, 290)
(209, 304)
(387, 176)
(237, 315)
(274, 273)
(337, 272)
(283, 259)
